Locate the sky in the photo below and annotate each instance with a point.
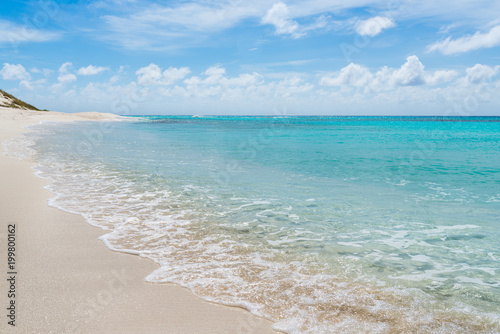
(259, 57)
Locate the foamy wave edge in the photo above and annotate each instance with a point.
(292, 324)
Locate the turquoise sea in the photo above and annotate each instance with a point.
(322, 224)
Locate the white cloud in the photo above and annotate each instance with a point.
(440, 77)
(479, 73)
(66, 78)
(468, 43)
(278, 16)
(215, 71)
(64, 75)
(195, 16)
(172, 74)
(374, 26)
(411, 73)
(14, 72)
(91, 70)
(189, 23)
(351, 75)
(153, 75)
(215, 89)
(65, 67)
(14, 33)
(149, 75)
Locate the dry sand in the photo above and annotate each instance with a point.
(68, 282)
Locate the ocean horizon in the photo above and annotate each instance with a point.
(322, 224)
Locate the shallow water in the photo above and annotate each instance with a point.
(322, 224)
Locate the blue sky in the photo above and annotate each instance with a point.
(366, 57)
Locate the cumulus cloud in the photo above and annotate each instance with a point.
(374, 26)
(411, 73)
(153, 75)
(64, 75)
(278, 16)
(66, 78)
(91, 70)
(14, 72)
(352, 75)
(479, 73)
(468, 43)
(215, 88)
(172, 74)
(149, 75)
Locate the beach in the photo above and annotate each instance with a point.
(299, 167)
(161, 223)
(67, 281)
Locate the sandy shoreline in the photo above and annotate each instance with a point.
(67, 281)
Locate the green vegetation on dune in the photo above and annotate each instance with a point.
(16, 103)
